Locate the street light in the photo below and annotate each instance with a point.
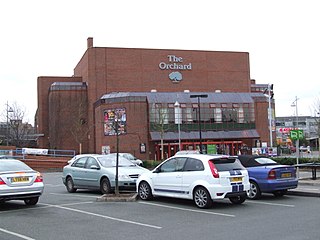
(199, 96)
(270, 96)
(178, 120)
(295, 104)
(9, 110)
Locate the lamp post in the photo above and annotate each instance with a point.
(270, 96)
(295, 104)
(9, 110)
(178, 120)
(199, 118)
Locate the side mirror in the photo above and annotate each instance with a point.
(95, 167)
(157, 170)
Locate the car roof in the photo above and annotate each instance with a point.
(249, 160)
(204, 156)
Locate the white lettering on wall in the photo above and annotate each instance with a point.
(175, 63)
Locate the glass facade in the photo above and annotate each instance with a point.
(213, 116)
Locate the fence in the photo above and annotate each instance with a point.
(22, 153)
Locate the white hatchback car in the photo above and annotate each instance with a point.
(200, 177)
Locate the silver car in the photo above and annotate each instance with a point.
(98, 172)
(130, 157)
(19, 182)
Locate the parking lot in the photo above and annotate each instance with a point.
(61, 215)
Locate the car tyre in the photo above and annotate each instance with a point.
(202, 198)
(105, 186)
(144, 191)
(238, 199)
(280, 193)
(31, 201)
(70, 185)
(254, 192)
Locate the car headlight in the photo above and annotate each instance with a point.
(123, 177)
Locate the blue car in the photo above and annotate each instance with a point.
(268, 176)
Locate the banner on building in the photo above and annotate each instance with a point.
(34, 151)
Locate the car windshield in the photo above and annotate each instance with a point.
(111, 161)
(13, 165)
(227, 164)
(265, 161)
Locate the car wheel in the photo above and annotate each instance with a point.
(238, 199)
(105, 186)
(144, 191)
(202, 198)
(254, 192)
(31, 201)
(70, 185)
(280, 193)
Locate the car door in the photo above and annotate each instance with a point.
(193, 171)
(91, 174)
(78, 171)
(167, 181)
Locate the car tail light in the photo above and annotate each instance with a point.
(39, 178)
(295, 173)
(2, 182)
(272, 174)
(214, 170)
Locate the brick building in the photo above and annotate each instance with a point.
(143, 96)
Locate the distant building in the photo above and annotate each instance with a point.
(134, 93)
(309, 125)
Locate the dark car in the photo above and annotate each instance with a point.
(268, 176)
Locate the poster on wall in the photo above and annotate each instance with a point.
(105, 150)
(115, 120)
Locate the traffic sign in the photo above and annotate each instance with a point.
(296, 134)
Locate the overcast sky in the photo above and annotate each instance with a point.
(48, 38)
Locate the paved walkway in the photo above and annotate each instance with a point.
(307, 186)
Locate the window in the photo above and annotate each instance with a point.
(80, 162)
(173, 165)
(193, 165)
(91, 162)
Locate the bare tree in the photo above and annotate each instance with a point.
(161, 124)
(79, 125)
(17, 131)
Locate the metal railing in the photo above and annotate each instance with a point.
(19, 153)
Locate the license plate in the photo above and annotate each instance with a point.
(285, 175)
(236, 179)
(19, 179)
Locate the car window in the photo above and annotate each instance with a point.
(173, 165)
(111, 161)
(193, 165)
(265, 161)
(80, 162)
(13, 166)
(91, 162)
(227, 164)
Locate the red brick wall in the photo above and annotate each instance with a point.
(66, 108)
(43, 85)
(137, 128)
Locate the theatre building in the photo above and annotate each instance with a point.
(153, 102)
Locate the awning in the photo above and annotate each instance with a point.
(218, 135)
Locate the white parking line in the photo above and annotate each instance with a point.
(45, 206)
(104, 216)
(189, 210)
(16, 234)
(269, 203)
